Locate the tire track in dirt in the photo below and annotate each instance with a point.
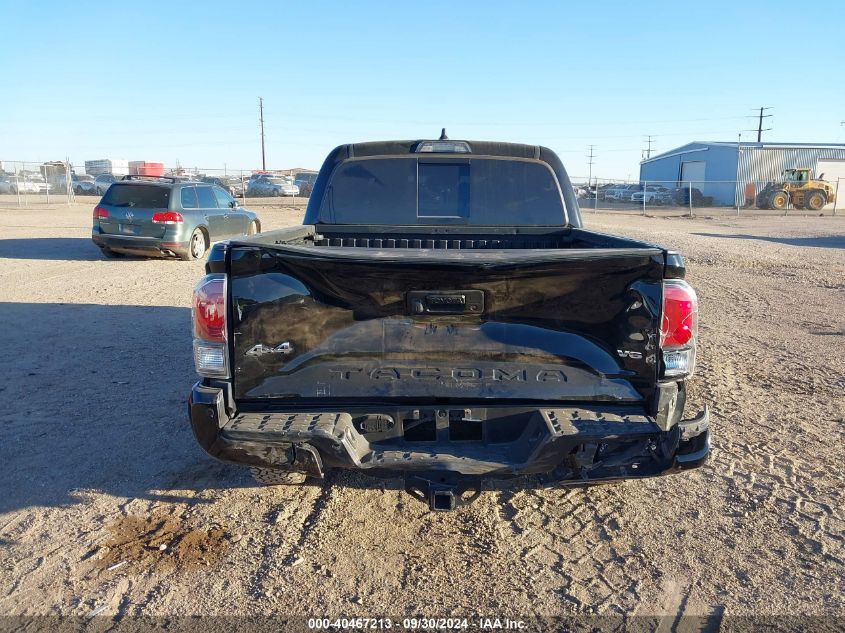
(285, 528)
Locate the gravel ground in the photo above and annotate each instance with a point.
(108, 502)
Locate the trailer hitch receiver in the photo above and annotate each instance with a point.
(443, 494)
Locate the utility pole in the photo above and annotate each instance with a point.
(760, 129)
(648, 150)
(590, 158)
(740, 194)
(261, 117)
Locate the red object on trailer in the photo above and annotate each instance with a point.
(144, 168)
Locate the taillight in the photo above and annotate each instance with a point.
(101, 213)
(167, 217)
(678, 328)
(208, 310)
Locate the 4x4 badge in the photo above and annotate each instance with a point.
(261, 349)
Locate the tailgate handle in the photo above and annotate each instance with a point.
(445, 302)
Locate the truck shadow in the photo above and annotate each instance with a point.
(95, 401)
(820, 241)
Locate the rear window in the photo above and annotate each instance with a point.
(137, 195)
(432, 190)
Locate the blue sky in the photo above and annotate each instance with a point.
(172, 81)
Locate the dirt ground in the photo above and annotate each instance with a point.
(108, 503)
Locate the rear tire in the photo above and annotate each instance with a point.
(814, 200)
(197, 246)
(276, 476)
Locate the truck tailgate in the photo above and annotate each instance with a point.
(353, 324)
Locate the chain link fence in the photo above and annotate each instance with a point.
(715, 197)
(33, 184)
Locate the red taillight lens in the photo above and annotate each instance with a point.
(209, 309)
(167, 217)
(679, 323)
(101, 213)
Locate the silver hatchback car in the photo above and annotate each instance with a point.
(160, 217)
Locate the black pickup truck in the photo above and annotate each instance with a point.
(442, 316)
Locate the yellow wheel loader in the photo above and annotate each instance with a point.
(799, 188)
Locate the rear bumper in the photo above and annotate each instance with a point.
(143, 246)
(578, 445)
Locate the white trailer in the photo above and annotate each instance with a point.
(113, 166)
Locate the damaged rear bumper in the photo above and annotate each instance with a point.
(574, 445)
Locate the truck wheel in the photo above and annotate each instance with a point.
(779, 200)
(276, 476)
(814, 200)
(196, 246)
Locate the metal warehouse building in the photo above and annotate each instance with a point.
(728, 171)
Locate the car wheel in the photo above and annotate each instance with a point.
(275, 193)
(196, 246)
(253, 228)
(277, 477)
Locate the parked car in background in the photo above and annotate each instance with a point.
(681, 195)
(232, 184)
(161, 216)
(653, 194)
(103, 182)
(587, 192)
(620, 192)
(83, 185)
(305, 181)
(598, 191)
(5, 184)
(28, 183)
(265, 185)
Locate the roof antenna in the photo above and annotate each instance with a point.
(443, 136)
